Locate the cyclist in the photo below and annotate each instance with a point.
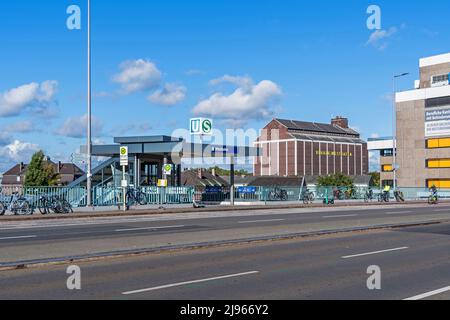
(434, 193)
(387, 192)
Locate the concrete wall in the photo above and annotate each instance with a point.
(427, 72)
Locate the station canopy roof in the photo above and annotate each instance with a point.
(166, 145)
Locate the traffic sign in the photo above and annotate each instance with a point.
(162, 183)
(167, 169)
(124, 156)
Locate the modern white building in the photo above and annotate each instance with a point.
(423, 127)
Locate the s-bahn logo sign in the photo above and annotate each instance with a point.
(201, 126)
(124, 156)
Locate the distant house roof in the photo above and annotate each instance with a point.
(238, 180)
(192, 178)
(67, 171)
(270, 181)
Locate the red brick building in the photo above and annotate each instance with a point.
(296, 148)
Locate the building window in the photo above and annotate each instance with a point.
(438, 163)
(438, 143)
(387, 168)
(439, 183)
(387, 153)
(439, 80)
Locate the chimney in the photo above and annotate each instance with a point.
(340, 122)
(213, 172)
(200, 173)
(59, 167)
(21, 166)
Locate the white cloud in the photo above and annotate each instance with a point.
(77, 127)
(132, 128)
(242, 82)
(170, 95)
(378, 38)
(138, 75)
(248, 101)
(16, 100)
(18, 151)
(25, 126)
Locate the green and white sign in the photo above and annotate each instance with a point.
(201, 126)
(124, 156)
(167, 169)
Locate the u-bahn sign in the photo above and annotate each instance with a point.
(201, 126)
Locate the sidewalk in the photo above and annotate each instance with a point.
(99, 212)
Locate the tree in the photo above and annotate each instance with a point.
(376, 176)
(335, 180)
(40, 173)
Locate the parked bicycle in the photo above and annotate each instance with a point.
(135, 197)
(399, 196)
(384, 197)
(18, 205)
(307, 197)
(56, 204)
(368, 197)
(278, 195)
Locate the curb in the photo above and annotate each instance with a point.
(18, 265)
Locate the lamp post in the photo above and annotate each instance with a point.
(89, 112)
(394, 124)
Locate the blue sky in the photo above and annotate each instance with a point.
(158, 63)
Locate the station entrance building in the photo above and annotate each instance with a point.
(148, 155)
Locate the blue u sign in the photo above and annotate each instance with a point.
(195, 126)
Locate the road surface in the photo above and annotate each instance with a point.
(50, 239)
(414, 263)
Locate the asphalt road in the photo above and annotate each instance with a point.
(24, 241)
(414, 263)
(57, 230)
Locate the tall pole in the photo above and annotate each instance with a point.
(394, 130)
(89, 113)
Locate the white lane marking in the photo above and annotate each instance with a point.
(85, 223)
(149, 228)
(398, 212)
(375, 252)
(340, 216)
(190, 282)
(19, 237)
(442, 210)
(261, 221)
(428, 294)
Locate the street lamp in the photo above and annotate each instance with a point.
(89, 112)
(394, 123)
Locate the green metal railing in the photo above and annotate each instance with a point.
(75, 196)
(113, 196)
